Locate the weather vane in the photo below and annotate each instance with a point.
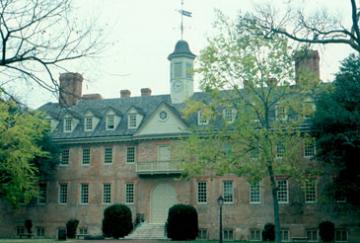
(182, 14)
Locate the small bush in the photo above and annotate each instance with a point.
(268, 233)
(28, 225)
(71, 227)
(117, 221)
(182, 222)
(327, 231)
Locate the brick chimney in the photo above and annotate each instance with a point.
(70, 88)
(125, 93)
(91, 97)
(307, 66)
(145, 92)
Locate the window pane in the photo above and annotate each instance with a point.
(108, 155)
(132, 120)
(228, 191)
(107, 193)
(84, 193)
(63, 193)
(129, 193)
(130, 154)
(86, 156)
(280, 150)
(110, 121)
(282, 191)
(309, 148)
(67, 125)
(202, 192)
(310, 191)
(88, 123)
(255, 192)
(64, 157)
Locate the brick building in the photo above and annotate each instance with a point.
(120, 150)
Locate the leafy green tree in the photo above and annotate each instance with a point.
(22, 158)
(264, 140)
(337, 124)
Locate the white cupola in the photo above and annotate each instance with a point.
(181, 72)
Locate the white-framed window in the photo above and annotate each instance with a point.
(83, 230)
(132, 120)
(312, 234)
(63, 193)
(86, 157)
(228, 234)
(202, 119)
(280, 150)
(40, 231)
(281, 113)
(42, 193)
(202, 234)
(285, 235)
(255, 196)
(20, 230)
(64, 156)
(164, 153)
(106, 193)
(310, 191)
(202, 192)
(129, 193)
(229, 115)
(255, 235)
(283, 191)
(308, 109)
(108, 155)
(110, 122)
(341, 235)
(88, 123)
(67, 124)
(309, 148)
(130, 154)
(84, 193)
(228, 191)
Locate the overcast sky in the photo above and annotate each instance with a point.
(140, 34)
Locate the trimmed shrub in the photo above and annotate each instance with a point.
(268, 233)
(182, 222)
(327, 231)
(71, 227)
(117, 221)
(28, 225)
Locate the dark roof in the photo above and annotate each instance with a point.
(145, 105)
(182, 50)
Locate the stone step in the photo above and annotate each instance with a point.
(148, 231)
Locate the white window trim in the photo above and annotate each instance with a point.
(257, 202)
(201, 122)
(197, 194)
(126, 155)
(347, 235)
(61, 164)
(71, 124)
(232, 193)
(80, 194)
(92, 123)
(59, 193)
(107, 121)
(112, 155)
(134, 199)
(314, 145)
(311, 202)
(287, 192)
(233, 115)
(277, 118)
(82, 157)
(103, 194)
(136, 120)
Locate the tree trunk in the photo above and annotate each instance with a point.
(275, 204)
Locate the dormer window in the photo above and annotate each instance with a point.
(281, 113)
(110, 122)
(229, 115)
(132, 120)
(202, 119)
(67, 124)
(88, 123)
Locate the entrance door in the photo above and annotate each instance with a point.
(162, 198)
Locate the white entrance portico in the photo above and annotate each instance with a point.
(162, 198)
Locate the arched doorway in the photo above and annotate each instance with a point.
(162, 198)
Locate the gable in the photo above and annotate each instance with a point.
(162, 121)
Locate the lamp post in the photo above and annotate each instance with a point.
(220, 202)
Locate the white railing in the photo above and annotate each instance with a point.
(158, 167)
